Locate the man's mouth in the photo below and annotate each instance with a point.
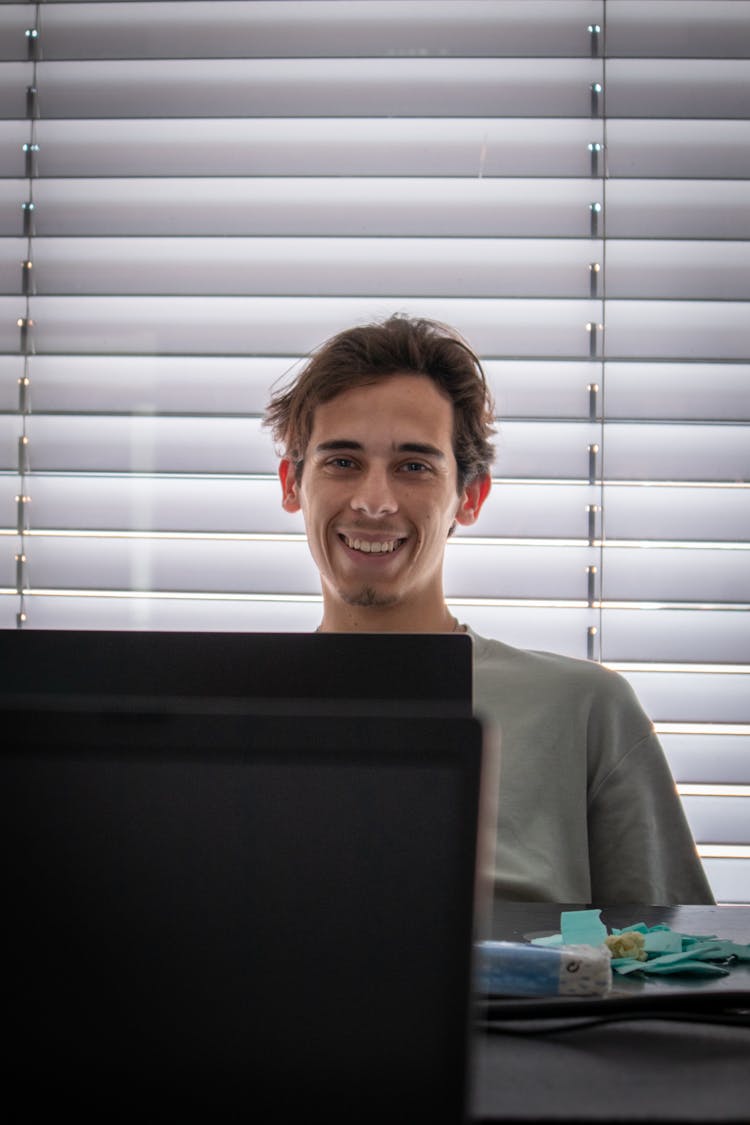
(372, 546)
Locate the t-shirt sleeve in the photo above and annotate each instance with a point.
(641, 848)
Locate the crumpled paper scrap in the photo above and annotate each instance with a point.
(630, 945)
(648, 949)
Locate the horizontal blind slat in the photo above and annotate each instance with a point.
(158, 565)
(729, 879)
(331, 87)
(688, 696)
(706, 208)
(128, 503)
(693, 330)
(223, 614)
(663, 389)
(305, 206)
(423, 267)
(146, 384)
(653, 512)
(480, 146)
(718, 820)
(673, 574)
(718, 758)
(426, 266)
(678, 88)
(313, 28)
(675, 635)
(689, 329)
(693, 29)
(268, 325)
(421, 146)
(676, 149)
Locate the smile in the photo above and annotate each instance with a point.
(369, 547)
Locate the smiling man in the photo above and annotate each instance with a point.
(385, 447)
(378, 486)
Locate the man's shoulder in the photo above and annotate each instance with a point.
(550, 688)
(549, 675)
(493, 654)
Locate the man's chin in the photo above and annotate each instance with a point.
(367, 597)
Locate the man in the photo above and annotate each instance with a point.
(385, 445)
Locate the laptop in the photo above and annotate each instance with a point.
(385, 672)
(239, 911)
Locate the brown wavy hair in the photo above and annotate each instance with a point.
(367, 353)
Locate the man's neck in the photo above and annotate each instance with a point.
(342, 618)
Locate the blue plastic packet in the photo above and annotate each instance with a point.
(506, 968)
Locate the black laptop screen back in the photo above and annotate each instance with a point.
(308, 672)
(246, 913)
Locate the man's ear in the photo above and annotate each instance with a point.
(289, 486)
(472, 498)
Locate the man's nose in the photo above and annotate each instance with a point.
(374, 495)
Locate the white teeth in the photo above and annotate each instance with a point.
(370, 548)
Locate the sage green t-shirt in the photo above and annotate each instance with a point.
(587, 807)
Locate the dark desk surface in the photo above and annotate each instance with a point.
(635, 1070)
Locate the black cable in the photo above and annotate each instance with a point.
(560, 1025)
(559, 1014)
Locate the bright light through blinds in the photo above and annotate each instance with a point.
(193, 195)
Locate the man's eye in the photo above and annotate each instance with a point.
(415, 467)
(340, 463)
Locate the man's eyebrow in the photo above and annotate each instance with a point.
(339, 443)
(404, 447)
(420, 447)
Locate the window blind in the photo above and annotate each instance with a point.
(193, 195)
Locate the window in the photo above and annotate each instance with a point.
(193, 195)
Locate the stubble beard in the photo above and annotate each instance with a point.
(368, 597)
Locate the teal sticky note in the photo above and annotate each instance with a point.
(664, 941)
(547, 939)
(582, 927)
(733, 949)
(695, 968)
(699, 964)
(689, 940)
(625, 965)
(705, 951)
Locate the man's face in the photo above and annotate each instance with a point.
(379, 493)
